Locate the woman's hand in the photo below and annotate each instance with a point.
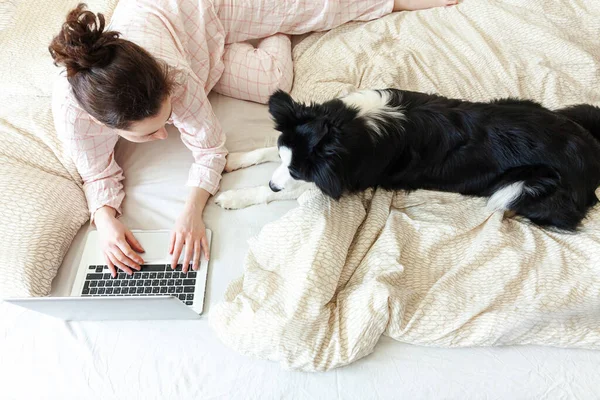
(117, 242)
(190, 232)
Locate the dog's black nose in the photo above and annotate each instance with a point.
(273, 187)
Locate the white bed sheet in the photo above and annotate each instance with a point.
(44, 358)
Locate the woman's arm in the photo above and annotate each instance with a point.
(91, 147)
(202, 134)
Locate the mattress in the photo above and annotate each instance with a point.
(45, 358)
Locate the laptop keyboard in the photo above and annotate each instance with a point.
(152, 280)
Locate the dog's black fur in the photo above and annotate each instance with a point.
(450, 145)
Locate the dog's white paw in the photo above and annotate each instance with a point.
(242, 198)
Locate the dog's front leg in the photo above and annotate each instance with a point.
(242, 198)
(246, 159)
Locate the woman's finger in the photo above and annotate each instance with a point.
(189, 253)
(132, 258)
(135, 244)
(197, 247)
(119, 255)
(172, 242)
(111, 266)
(177, 250)
(119, 265)
(205, 247)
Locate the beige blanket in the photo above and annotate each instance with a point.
(322, 284)
(538, 49)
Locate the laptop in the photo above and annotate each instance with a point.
(155, 292)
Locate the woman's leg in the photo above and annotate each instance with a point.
(255, 19)
(409, 5)
(253, 73)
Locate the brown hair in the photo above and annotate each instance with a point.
(114, 80)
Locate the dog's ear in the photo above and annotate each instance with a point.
(283, 109)
(328, 179)
(314, 131)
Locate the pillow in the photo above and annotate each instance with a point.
(40, 215)
(26, 29)
(42, 204)
(538, 49)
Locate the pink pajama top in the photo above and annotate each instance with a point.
(204, 41)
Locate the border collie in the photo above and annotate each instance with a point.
(538, 163)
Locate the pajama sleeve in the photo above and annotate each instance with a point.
(201, 133)
(91, 147)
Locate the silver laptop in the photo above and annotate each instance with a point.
(155, 292)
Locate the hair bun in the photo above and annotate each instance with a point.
(82, 43)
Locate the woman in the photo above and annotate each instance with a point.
(155, 66)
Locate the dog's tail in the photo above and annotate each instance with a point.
(586, 115)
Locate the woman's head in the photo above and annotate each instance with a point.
(114, 80)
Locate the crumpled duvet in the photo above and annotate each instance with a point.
(326, 281)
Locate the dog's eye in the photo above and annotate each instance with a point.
(294, 175)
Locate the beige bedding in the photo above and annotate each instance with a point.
(322, 284)
(538, 49)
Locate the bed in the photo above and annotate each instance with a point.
(46, 358)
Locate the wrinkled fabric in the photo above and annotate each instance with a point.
(322, 284)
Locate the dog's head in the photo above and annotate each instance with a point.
(310, 144)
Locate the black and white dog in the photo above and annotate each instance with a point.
(538, 163)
